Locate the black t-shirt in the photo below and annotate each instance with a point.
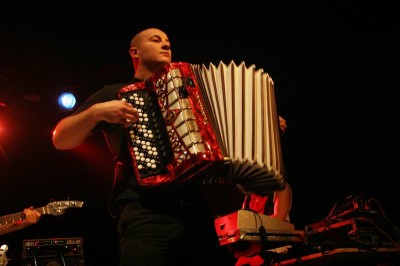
(116, 138)
(126, 187)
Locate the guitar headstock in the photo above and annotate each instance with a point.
(59, 207)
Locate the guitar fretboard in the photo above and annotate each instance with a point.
(52, 208)
(12, 218)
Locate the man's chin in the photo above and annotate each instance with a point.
(166, 61)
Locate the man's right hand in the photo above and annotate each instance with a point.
(117, 111)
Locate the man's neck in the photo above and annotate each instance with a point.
(145, 72)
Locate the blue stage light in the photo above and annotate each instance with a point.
(67, 101)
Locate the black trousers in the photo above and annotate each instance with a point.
(166, 231)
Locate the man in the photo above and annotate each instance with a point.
(32, 216)
(157, 226)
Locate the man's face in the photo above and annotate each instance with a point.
(154, 48)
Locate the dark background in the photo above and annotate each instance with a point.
(335, 72)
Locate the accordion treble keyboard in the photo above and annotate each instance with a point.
(148, 137)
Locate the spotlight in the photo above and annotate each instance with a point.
(67, 101)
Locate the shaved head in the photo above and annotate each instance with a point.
(142, 35)
(150, 51)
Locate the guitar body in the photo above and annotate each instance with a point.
(3, 257)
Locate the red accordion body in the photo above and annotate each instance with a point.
(217, 122)
(172, 141)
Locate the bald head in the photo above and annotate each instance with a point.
(150, 51)
(144, 34)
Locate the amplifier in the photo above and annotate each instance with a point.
(54, 261)
(59, 247)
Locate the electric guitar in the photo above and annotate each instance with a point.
(52, 208)
(3, 258)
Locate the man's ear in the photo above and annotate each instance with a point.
(133, 51)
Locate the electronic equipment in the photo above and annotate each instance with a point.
(244, 225)
(53, 251)
(355, 232)
(346, 257)
(54, 261)
(52, 246)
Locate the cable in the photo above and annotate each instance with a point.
(35, 259)
(377, 203)
(61, 256)
(256, 214)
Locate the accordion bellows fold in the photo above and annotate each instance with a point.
(216, 124)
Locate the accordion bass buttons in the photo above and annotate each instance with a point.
(147, 145)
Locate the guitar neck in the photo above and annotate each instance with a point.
(19, 216)
(52, 208)
(12, 218)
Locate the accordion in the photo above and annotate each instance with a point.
(218, 124)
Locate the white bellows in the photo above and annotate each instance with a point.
(241, 106)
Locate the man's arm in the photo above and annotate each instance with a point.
(282, 203)
(73, 130)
